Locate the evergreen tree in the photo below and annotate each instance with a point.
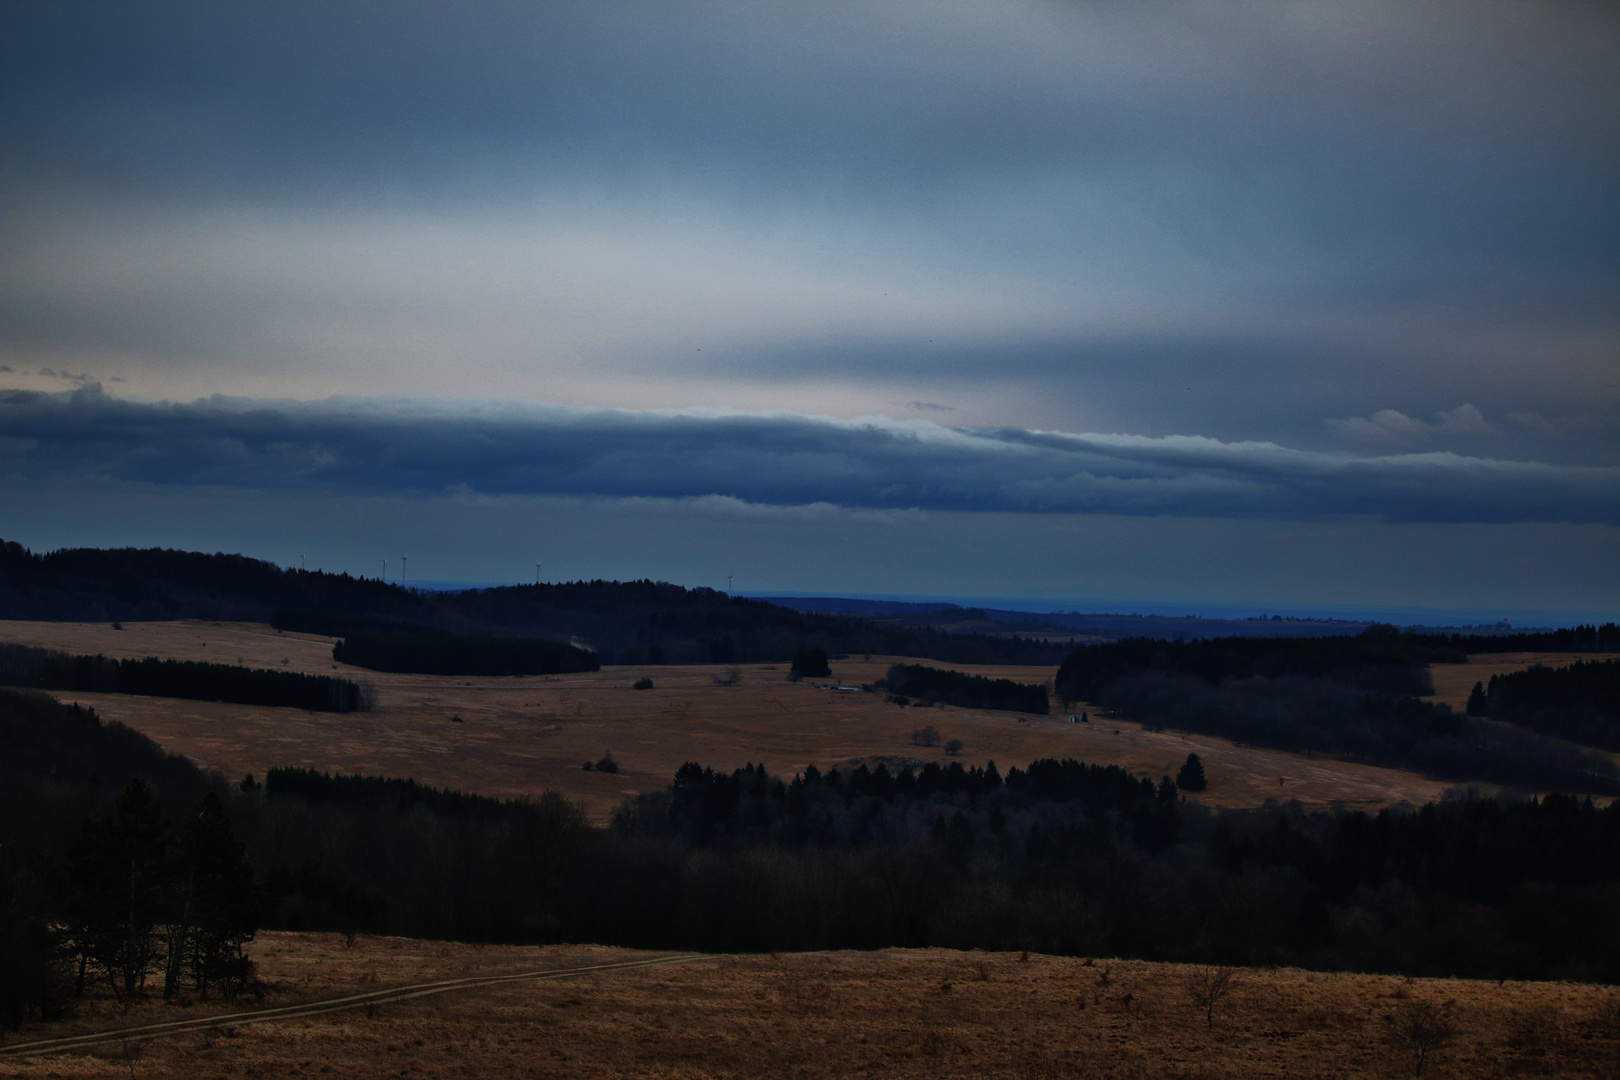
(29, 973)
(1477, 702)
(812, 662)
(213, 911)
(1191, 777)
(121, 868)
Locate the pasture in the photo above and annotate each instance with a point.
(930, 1013)
(522, 735)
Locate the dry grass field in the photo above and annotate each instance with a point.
(521, 736)
(923, 1013)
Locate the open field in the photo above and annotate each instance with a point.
(520, 736)
(907, 1013)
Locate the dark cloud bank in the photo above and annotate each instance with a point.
(428, 446)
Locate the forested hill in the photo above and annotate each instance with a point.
(96, 585)
(627, 622)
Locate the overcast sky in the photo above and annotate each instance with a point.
(1318, 302)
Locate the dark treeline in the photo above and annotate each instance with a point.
(1344, 696)
(321, 789)
(931, 685)
(1580, 702)
(1379, 658)
(1087, 808)
(101, 585)
(47, 669)
(1319, 716)
(1592, 639)
(631, 622)
(1058, 857)
(462, 654)
(647, 622)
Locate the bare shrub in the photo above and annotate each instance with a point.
(1206, 986)
(953, 746)
(926, 736)
(1422, 1029)
(1534, 1031)
(732, 677)
(643, 683)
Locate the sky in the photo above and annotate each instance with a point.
(1285, 304)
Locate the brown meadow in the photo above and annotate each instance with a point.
(521, 736)
(906, 1013)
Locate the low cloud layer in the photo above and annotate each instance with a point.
(431, 446)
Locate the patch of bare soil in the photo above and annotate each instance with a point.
(903, 1013)
(522, 736)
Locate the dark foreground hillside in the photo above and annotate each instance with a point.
(1057, 857)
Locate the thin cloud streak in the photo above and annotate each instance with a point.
(780, 459)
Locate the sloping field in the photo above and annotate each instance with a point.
(520, 736)
(905, 1013)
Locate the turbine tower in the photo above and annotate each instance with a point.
(537, 571)
(402, 569)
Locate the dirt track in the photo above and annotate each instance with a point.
(922, 1014)
(319, 1008)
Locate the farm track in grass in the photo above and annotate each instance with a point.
(522, 736)
(929, 1014)
(321, 1007)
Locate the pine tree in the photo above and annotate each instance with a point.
(121, 868)
(1478, 704)
(811, 662)
(213, 913)
(1191, 777)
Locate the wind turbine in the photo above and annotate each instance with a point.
(537, 571)
(728, 583)
(385, 569)
(402, 569)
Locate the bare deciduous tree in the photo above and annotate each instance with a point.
(1206, 986)
(1422, 1029)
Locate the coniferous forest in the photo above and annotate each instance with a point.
(930, 685)
(1355, 697)
(1580, 702)
(48, 669)
(462, 654)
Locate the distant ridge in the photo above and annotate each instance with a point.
(1104, 625)
(630, 622)
(1118, 624)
